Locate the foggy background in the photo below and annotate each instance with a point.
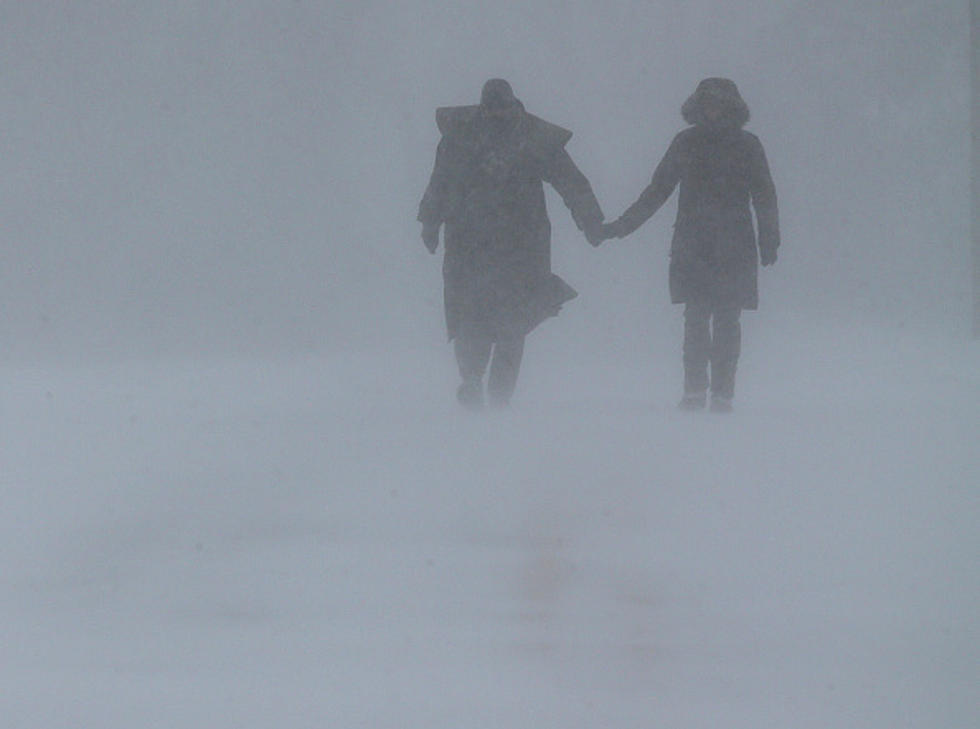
(236, 489)
(228, 177)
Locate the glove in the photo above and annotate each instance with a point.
(594, 235)
(611, 230)
(767, 257)
(430, 237)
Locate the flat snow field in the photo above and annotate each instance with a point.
(330, 542)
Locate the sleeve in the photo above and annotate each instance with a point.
(764, 200)
(433, 208)
(665, 179)
(574, 189)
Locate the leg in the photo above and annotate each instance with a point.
(697, 348)
(726, 345)
(472, 349)
(506, 365)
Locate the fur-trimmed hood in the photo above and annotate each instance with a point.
(720, 89)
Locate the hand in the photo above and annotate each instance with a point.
(610, 230)
(430, 237)
(767, 257)
(601, 233)
(594, 235)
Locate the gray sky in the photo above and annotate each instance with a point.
(243, 176)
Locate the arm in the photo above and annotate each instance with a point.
(764, 201)
(432, 209)
(576, 193)
(665, 179)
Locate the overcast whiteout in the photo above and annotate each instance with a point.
(238, 490)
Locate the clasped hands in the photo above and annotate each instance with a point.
(596, 234)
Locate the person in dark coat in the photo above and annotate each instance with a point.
(714, 254)
(486, 188)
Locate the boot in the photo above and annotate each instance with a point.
(693, 401)
(470, 394)
(721, 404)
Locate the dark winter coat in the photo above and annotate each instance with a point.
(487, 188)
(721, 169)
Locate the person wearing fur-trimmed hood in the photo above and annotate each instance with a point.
(486, 188)
(714, 254)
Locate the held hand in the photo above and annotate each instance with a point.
(594, 235)
(609, 230)
(767, 257)
(430, 237)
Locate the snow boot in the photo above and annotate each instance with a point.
(470, 394)
(693, 401)
(721, 404)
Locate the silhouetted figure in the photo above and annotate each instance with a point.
(713, 256)
(487, 188)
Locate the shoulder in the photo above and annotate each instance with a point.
(544, 136)
(751, 141)
(453, 120)
(682, 144)
(685, 136)
(684, 140)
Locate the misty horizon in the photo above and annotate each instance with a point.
(244, 177)
(239, 492)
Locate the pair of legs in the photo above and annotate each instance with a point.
(712, 335)
(475, 349)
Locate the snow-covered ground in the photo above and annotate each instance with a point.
(272, 541)
(329, 542)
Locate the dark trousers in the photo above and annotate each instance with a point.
(712, 334)
(473, 353)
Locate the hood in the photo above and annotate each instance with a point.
(723, 90)
(460, 120)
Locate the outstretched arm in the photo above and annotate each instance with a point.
(665, 179)
(576, 193)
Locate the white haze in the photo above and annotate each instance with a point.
(237, 491)
(244, 175)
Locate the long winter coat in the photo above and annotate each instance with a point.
(713, 255)
(487, 188)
